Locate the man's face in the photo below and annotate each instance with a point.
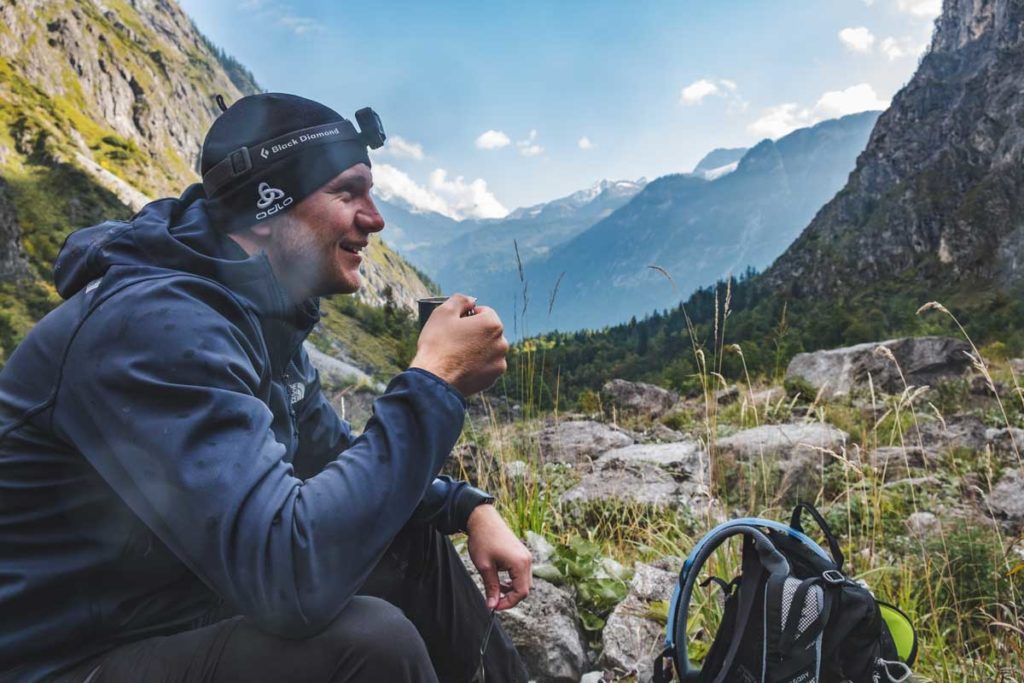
(313, 248)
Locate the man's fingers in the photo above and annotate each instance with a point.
(520, 577)
(461, 303)
(492, 587)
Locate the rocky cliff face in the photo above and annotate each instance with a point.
(938, 191)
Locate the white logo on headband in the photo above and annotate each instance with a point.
(268, 201)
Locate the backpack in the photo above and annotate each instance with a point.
(791, 616)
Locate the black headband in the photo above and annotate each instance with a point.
(246, 160)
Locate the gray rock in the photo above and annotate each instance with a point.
(923, 525)
(923, 360)
(592, 677)
(798, 451)
(579, 441)
(783, 441)
(545, 630)
(1007, 499)
(338, 372)
(959, 431)
(686, 459)
(660, 433)
(1008, 441)
(727, 395)
(540, 548)
(638, 398)
(661, 475)
(631, 638)
(13, 262)
(643, 483)
(895, 462)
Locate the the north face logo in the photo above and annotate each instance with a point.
(268, 201)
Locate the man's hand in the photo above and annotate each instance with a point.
(492, 548)
(463, 344)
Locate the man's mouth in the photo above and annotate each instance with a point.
(352, 248)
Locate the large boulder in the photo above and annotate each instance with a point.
(579, 441)
(783, 441)
(631, 637)
(796, 451)
(638, 398)
(1007, 499)
(661, 475)
(545, 629)
(923, 360)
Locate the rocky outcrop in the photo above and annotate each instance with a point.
(660, 475)
(921, 360)
(545, 629)
(938, 193)
(783, 441)
(1006, 501)
(638, 398)
(579, 441)
(13, 265)
(631, 636)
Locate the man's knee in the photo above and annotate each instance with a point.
(375, 641)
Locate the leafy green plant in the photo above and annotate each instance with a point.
(598, 583)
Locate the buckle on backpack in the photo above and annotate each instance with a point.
(834, 577)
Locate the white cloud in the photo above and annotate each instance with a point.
(389, 183)
(782, 119)
(585, 143)
(400, 148)
(453, 198)
(300, 25)
(529, 146)
(926, 9)
(858, 39)
(854, 99)
(492, 139)
(697, 91)
(467, 200)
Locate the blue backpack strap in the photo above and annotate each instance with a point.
(770, 559)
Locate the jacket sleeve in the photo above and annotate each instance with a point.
(160, 394)
(447, 503)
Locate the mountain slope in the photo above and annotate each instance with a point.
(103, 106)
(939, 189)
(931, 212)
(695, 229)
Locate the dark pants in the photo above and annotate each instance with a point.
(418, 618)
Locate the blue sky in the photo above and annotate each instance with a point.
(494, 105)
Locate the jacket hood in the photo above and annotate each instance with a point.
(173, 234)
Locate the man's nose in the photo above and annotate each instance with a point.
(369, 219)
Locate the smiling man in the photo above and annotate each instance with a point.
(178, 499)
